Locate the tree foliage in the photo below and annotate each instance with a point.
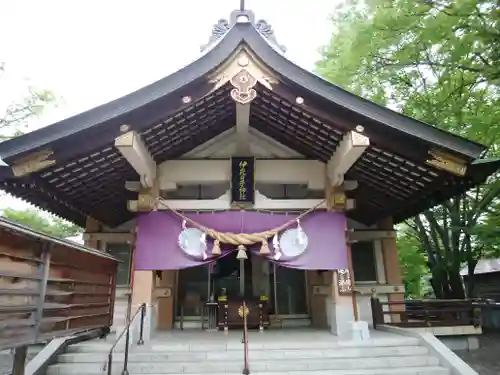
(42, 222)
(413, 261)
(14, 121)
(15, 117)
(437, 61)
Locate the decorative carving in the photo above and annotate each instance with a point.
(447, 162)
(145, 203)
(243, 83)
(344, 281)
(221, 28)
(33, 163)
(218, 31)
(266, 30)
(243, 311)
(243, 72)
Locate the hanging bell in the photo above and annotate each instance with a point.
(264, 249)
(242, 253)
(216, 248)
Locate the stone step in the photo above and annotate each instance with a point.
(253, 355)
(100, 346)
(263, 366)
(380, 371)
(120, 308)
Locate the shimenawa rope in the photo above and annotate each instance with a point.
(236, 239)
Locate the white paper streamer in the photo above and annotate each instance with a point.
(276, 246)
(203, 240)
(300, 233)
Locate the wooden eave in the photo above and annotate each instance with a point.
(88, 174)
(151, 103)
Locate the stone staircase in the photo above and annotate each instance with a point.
(276, 353)
(119, 315)
(120, 309)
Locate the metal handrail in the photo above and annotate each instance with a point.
(246, 368)
(126, 330)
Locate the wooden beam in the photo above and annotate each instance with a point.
(370, 235)
(242, 126)
(135, 151)
(224, 203)
(115, 237)
(350, 149)
(310, 172)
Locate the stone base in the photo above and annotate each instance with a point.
(360, 330)
(339, 314)
(148, 328)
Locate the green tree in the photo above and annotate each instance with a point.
(16, 116)
(437, 61)
(413, 262)
(42, 222)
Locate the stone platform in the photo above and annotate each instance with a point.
(293, 352)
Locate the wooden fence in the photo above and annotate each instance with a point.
(426, 313)
(51, 287)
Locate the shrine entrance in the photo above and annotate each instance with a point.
(282, 290)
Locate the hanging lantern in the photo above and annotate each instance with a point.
(216, 248)
(264, 249)
(242, 253)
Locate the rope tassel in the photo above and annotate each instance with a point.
(264, 249)
(216, 248)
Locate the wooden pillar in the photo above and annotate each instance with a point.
(164, 294)
(353, 283)
(318, 283)
(142, 282)
(336, 200)
(142, 291)
(19, 363)
(392, 267)
(92, 226)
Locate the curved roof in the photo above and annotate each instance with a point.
(83, 144)
(127, 108)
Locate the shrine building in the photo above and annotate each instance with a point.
(243, 177)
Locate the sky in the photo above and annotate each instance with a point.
(91, 52)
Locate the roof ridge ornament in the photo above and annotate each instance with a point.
(222, 27)
(218, 31)
(266, 30)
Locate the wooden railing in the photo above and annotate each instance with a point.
(425, 313)
(50, 287)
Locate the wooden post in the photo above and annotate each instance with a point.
(353, 291)
(19, 362)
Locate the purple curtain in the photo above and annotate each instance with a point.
(158, 233)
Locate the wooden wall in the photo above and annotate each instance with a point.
(50, 287)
